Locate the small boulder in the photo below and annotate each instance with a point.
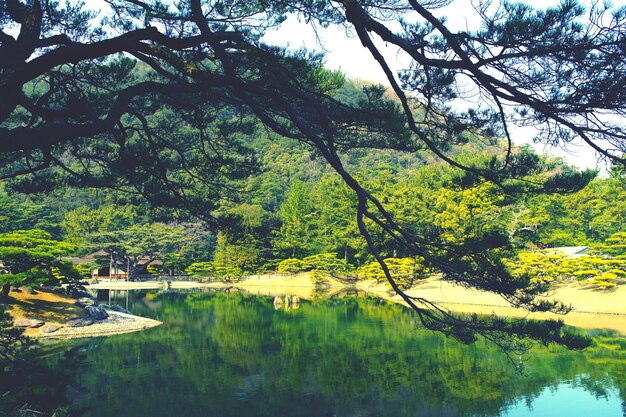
(86, 302)
(49, 328)
(120, 309)
(28, 323)
(80, 322)
(96, 312)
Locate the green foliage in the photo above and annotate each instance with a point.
(296, 215)
(12, 342)
(541, 266)
(243, 236)
(179, 128)
(138, 245)
(228, 273)
(30, 257)
(290, 266)
(84, 270)
(615, 245)
(468, 213)
(270, 266)
(18, 212)
(201, 269)
(327, 262)
(243, 253)
(324, 262)
(405, 271)
(84, 221)
(335, 214)
(602, 269)
(589, 216)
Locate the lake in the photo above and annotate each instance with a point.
(221, 354)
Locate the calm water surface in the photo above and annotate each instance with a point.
(236, 355)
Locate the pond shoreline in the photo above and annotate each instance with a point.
(47, 315)
(592, 309)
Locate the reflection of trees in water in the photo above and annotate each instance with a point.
(228, 354)
(44, 383)
(609, 353)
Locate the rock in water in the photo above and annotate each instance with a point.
(80, 322)
(96, 312)
(28, 323)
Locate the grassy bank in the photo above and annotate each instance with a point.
(57, 310)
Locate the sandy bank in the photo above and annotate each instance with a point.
(591, 309)
(301, 285)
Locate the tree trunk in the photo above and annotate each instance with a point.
(5, 290)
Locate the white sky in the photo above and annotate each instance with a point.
(344, 51)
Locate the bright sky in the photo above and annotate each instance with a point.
(344, 51)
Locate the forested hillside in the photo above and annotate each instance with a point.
(281, 200)
(174, 133)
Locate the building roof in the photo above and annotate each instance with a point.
(92, 257)
(77, 260)
(570, 251)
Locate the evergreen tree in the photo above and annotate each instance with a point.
(29, 257)
(76, 107)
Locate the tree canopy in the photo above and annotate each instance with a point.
(30, 257)
(155, 97)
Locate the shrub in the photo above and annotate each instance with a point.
(201, 269)
(403, 270)
(290, 266)
(228, 273)
(327, 262)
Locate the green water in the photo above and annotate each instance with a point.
(236, 355)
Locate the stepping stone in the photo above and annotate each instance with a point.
(28, 323)
(80, 322)
(49, 328)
